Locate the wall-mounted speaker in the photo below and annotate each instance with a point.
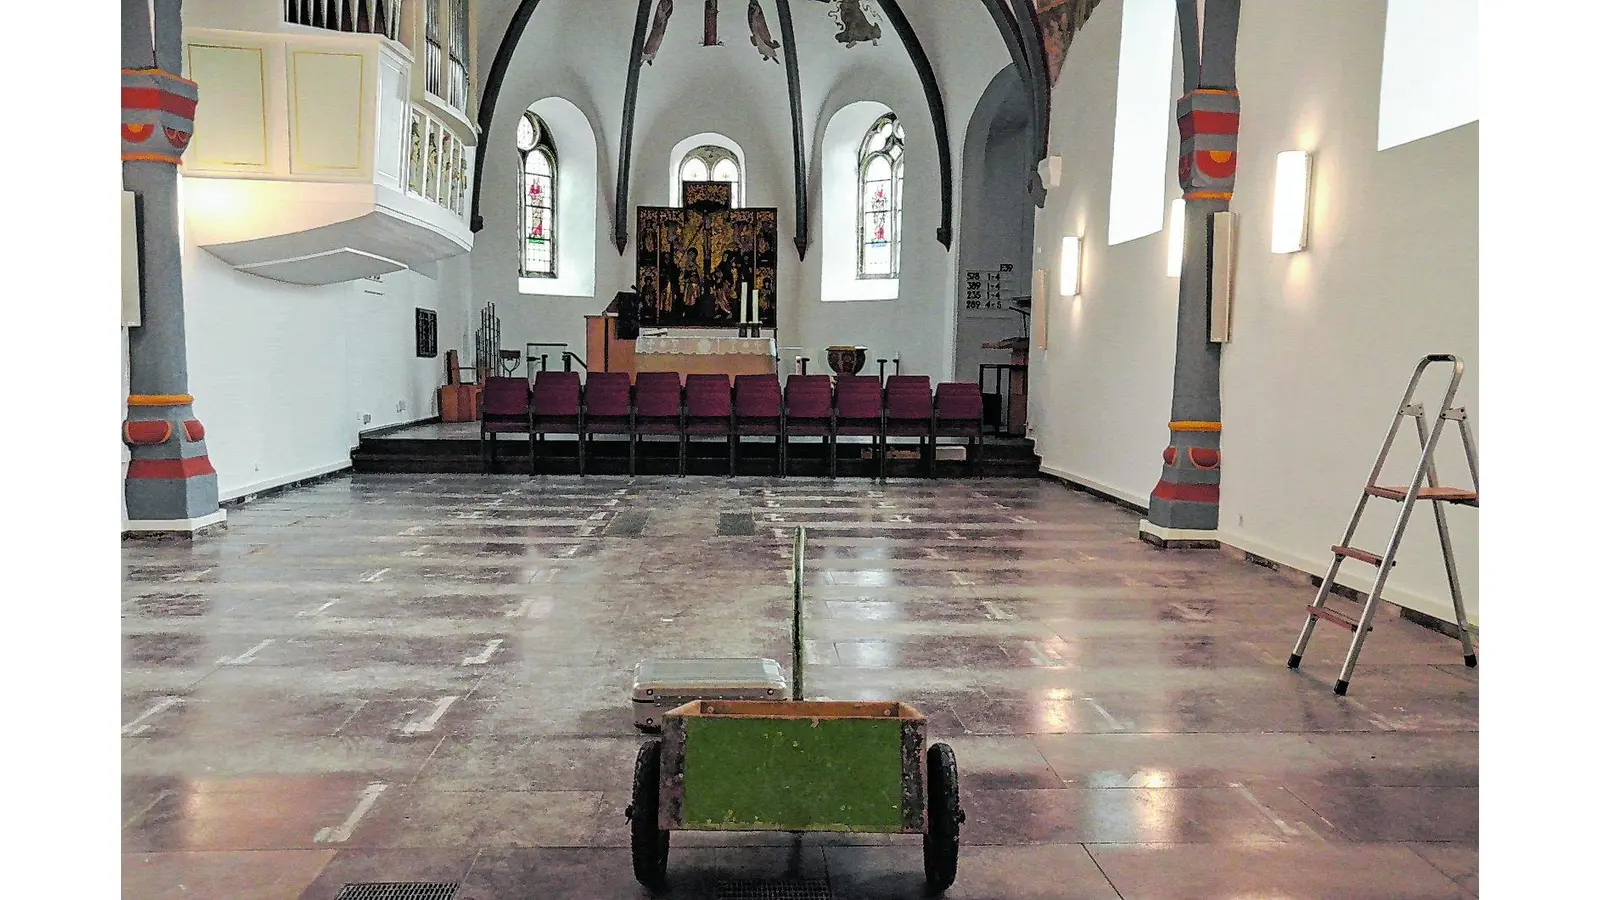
(1224, 260)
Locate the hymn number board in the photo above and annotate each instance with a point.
(990, 293)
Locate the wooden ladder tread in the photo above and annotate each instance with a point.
(1368, 557)
(1442, 494)
(1337, 618)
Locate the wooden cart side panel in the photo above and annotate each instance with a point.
(806, 774)
(672, 747)
(913, 776)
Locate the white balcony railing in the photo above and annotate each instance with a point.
(438, 166)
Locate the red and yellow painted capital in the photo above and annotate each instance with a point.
(157, 115)
(1208, 155)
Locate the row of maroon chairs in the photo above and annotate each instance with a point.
(657, 403)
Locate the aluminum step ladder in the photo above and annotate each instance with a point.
(1424, 486)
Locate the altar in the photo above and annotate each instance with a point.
(691, 355)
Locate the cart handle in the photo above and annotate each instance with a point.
(799, 627)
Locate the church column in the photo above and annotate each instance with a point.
(1183, 505)
(170, 486)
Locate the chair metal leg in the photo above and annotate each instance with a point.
(683, 454)
(633, 453)
(731, 444)
(583, 453)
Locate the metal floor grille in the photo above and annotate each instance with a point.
(398, 890)
(774, 889)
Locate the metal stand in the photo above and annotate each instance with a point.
(1408, 497)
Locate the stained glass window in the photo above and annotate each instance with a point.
(712, 163)
(539, 184)
(881, 178)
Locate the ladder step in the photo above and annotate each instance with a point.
(1371, 559)
(1337, 618)
(1442, 494)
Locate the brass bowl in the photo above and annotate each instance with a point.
(847, 360)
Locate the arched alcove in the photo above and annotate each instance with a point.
(688, 145)
(577, 195)
(841, 205)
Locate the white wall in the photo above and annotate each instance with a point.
(731, 90)
(283, 375)
(1323, 340)
(1101, 391)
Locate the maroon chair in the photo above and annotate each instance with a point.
(708, 411)
(505, 411)
(958, 412)
(757, 412)
(807, 412)
(557, 409)
(908, 412)
(657, 409)
(859, 412)
(607, 409)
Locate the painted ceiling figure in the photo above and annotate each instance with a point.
(711, 24)
(854, 28)
(760, 35)
(658, 32)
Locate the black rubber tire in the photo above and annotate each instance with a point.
(941, 843)
(650, 842)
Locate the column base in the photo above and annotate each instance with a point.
(1178, 538)
(195, 527)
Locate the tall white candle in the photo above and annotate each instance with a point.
(744, 303)
(755, 307)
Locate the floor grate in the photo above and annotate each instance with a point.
(774, 889)
(398, 890)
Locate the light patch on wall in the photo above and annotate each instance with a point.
(1430, 69)
(1144, 112)
(1175, 239)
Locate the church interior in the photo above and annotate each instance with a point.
(999, 376)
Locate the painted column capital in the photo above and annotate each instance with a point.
(157, 115)
(1208, 152)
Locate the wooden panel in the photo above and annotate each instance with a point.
(801, 774)
(327, 131)
(618, 356)
(230, 124)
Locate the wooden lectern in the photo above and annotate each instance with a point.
(1018, 401)
(605, 352)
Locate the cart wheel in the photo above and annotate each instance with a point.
(649, 840)
(942, 841)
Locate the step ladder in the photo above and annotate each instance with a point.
(1424, 486)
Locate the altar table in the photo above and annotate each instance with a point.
(706, 355)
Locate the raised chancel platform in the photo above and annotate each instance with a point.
(439, 448)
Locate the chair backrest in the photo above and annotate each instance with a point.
(909, 397)
(708, 396)
(607, 393)
(809, 397)
(959, 401)
(505, 396)
(658, 394)
(757, 396)
(860, 397)
(556, 393)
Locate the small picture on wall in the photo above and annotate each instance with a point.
(427, 333)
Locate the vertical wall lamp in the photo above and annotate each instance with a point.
(1291, 194)
(1175, 239)
(1071, 265)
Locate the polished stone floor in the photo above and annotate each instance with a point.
(402, 678)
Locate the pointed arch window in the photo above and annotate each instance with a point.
(881, 176)
(713, 163)
(540, 181)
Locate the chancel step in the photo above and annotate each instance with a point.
(1441, 494)
(1366, 556)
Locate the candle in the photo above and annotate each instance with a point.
(744, 303)
(755, 307)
